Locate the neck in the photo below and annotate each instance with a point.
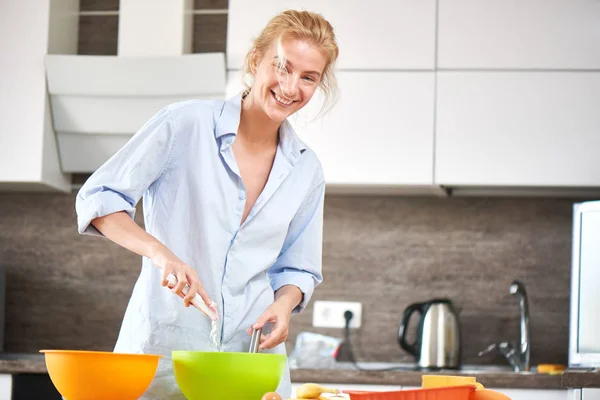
(255, 126)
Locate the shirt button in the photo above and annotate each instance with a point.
(242, 195)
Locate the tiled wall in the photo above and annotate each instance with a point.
(70, 291)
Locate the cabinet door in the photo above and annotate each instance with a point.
(379, 133)
(534, 394)
(5, 386)
(557, 34)
(378, 34)
(590, 394)
(518, 129)
(28, 153)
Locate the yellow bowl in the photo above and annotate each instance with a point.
(98, 375)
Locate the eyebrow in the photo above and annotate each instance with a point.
(307, 72)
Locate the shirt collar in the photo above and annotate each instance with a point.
(229, 121)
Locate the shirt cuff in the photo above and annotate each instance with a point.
(301, 279)
(101, 204)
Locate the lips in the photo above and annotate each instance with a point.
(282, 100)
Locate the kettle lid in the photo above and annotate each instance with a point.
(440, 300)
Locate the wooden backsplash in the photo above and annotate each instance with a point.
(70, 291)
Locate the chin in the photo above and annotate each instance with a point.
(277, 113)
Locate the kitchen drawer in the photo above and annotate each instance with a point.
(33, 386)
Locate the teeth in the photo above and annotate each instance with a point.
(281, 100)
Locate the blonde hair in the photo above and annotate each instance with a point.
(305, 25)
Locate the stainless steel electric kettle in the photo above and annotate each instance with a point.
(437, 344)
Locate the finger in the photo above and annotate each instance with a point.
(181, 282)
(274, 338)
(165, 274)
(194, 285)
(206, 297)
(267, 316)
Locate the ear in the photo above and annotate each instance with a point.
(254, 57)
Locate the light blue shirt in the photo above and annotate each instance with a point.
(182, 163)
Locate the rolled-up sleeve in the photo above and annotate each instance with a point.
(122, 180)
(300, 261)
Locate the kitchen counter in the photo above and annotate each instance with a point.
(490, 377)
(581, 378)
(22, 363)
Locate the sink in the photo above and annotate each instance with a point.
(495, 370)
(488, 369)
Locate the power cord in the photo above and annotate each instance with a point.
(348, 315)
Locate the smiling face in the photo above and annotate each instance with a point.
(283, 85)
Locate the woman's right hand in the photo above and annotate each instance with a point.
(164, 259)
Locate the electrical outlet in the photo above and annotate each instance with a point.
(330, 314)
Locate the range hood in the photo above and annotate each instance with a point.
(99, 102)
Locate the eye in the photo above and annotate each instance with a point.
(310, 78)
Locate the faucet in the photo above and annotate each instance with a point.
(518, 356)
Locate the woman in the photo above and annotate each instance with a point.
(233, 206)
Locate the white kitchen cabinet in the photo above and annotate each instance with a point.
(379, 133)
(590, 394)
(28, 31)
(542, 34)
(5, 386)
(518, 129)
(584, 394)
(378, 34)
(574, 394)
(535, 394)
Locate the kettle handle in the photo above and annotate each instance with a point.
(411, 348)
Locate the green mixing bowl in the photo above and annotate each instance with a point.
(236, 376)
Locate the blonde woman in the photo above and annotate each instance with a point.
(233, 206)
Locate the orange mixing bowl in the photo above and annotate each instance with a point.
(98, 375)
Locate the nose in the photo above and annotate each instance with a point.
(289, 85)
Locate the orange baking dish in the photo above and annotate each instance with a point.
(468, 392)
(445, 393)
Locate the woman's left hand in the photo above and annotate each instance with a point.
(279, 314)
